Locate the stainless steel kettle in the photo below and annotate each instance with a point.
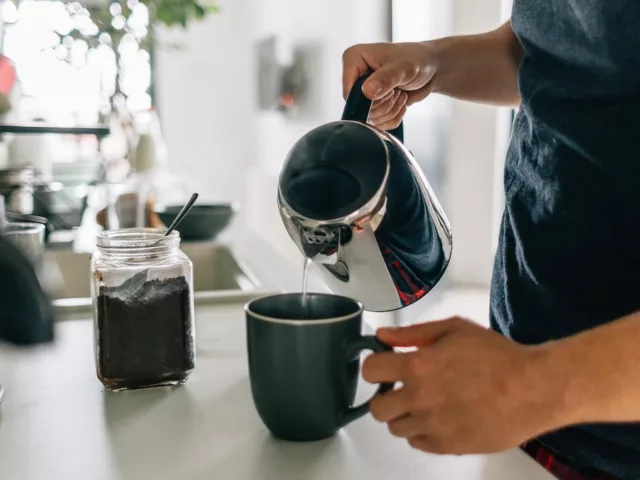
(354, 200)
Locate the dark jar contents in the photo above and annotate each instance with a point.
(145, 338)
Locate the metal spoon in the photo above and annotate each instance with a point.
(183, 213)
(133, 284)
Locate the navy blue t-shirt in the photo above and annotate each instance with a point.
(569, 251)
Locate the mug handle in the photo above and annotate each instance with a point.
(358, 106)
(354, 349)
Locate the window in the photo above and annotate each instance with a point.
(427, 122)
(73, 61)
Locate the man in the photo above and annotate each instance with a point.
(560, 373)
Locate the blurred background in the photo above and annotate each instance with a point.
(212, 95)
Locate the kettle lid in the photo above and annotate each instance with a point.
(334, 170)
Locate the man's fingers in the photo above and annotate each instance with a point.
(386, 79)
(406, 426)
(395, 122)
(393, 112)
(351, 72)
(384, 104)
(380, 103)
(384, 367)
(390, 405)
(416, 96)
(420, 335)
(354, 66)
(382, 108)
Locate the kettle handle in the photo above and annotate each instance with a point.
(358, 106)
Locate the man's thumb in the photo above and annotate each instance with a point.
(419, 335)
(384, 80)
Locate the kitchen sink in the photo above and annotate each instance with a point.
(218, 276)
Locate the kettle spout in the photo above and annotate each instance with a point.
(323, 244)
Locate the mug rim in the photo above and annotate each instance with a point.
(308, 322)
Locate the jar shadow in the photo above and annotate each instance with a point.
(148, 429)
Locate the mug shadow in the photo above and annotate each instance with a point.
(240, 447)
(269, 458)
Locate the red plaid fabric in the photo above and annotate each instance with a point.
(410, 289)
(560, 467)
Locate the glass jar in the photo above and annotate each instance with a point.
(143, 309)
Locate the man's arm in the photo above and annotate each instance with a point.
(599, 373)
(466, 389)
(480, 68)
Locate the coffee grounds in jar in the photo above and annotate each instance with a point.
(146, 339)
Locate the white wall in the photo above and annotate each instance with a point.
(329, 27)
(205, 99)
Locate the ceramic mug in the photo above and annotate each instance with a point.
(304, 363)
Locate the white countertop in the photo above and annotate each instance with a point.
(57, 422)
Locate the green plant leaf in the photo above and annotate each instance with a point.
(178, 12)
(165, 16)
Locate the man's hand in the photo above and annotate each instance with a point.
(402, 76)
(479, 68)
(465, 389)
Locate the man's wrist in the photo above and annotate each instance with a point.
(556, 400)
(599, 368)
(582, 377)
(436, 53)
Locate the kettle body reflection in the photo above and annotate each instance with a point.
(354, 200)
